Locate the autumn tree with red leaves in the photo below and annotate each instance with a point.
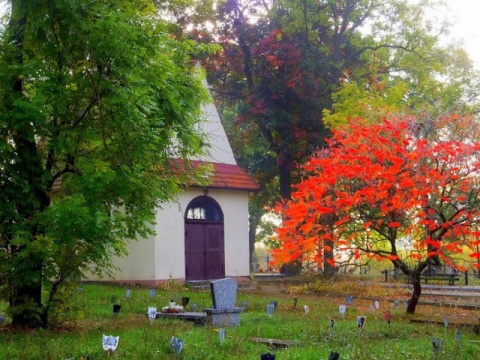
(396, 194)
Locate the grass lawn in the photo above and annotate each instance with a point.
(90, 316)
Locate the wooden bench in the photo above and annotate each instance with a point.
(450, 278)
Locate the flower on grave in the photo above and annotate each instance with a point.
(172, 308)
(110, 342)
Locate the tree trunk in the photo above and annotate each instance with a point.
(417, 291)
(285, 178)
(25, 284)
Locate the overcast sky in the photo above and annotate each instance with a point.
(465, 20)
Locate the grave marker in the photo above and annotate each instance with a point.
(110, 343)
(331, 326)
(387, 316)
(334, 356)
(128, 293)
(349, 299)
(274, 303)
(458, 338)
(224, 311)
(341, 310)
(267, 356)
(221, 335)
(270, 309)
(152, 313)
(306, 308)
(152, 293)
(116, 309)
(2, 319)
(177, 344)
(396, 303)
(437, 345)
(361, 322)
(377, 304)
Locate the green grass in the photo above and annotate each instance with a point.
(90, 316)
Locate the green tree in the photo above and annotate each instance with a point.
(95, 98)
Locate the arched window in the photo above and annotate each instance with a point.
(204, 208)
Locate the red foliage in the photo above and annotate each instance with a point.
(379, 182)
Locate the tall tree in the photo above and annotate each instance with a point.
(293, 69)
(388, 185)
(95, 98)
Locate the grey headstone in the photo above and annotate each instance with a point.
(2, 319)
(270, 309)
(128, 293)
(458, 338)
(224, 293)
(221, 334)
(377, 304)
(396, 303)
(349, 299)
(177, 344)
(193, 306)
(152, 293)
(445, 322)
(437, 345)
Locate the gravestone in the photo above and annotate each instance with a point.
(342, 309)
(221, 335)
(110, 343)
(152, 293)
(331, 326)
(274, 303)
(295, 300)
(306, 308)
(458, 338)
(270, 309)
(361, 320)
(267, 356)
(2, 319)
(437, 345)
(177, 344)
(396, 303)
(128, 293)
(349, 299)
(116, 309)
(334, 356)
(152, 313)
(193, 307)
(377, 304)
(224, 312)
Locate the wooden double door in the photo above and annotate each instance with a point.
(204, 250)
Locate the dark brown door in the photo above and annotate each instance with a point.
(204, 240)
(204, 251)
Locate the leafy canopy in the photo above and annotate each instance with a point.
(96, 97)
(382, 185)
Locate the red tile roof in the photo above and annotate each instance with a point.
(224, 176)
